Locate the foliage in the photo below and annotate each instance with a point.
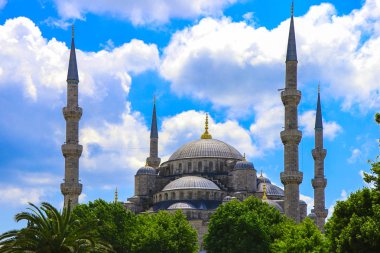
(50, 231)
(301, 238)
(110, 221)
(355, 224)
(163, 232)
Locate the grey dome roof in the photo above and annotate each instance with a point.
(191, 182)
(242, 165)
(272, 190)
(273, 204)
(206, 148)
(262, 179)
(181, 205)
(146, 170)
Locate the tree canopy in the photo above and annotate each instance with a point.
(254, 226)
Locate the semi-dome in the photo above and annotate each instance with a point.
(273, 204)
(146, 170)
(181, 205)
(206, 148)
(243, 165)
(191, 182)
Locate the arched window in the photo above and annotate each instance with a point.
(190, 195)
(210, 166)
(182, 195)
(166, 196)
(180, 168)
(199, 166)
(173, 196)
(207, 195)
(189, 167)
(160, 197)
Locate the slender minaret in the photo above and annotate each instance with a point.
(71, 150)
(153, 160)
(319, 181)
(291, 136)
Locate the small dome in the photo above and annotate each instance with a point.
(301, 202)
(146, 170)
(262, 179)
(273, 204)
(206, 148)
(312, 216)
(191, 182)
(271, 190)
(181, 205)
(243, 165)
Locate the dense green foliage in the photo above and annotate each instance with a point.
(50, 231)
(155, 233)
(110, 221)
(254, 226)
(165, 233)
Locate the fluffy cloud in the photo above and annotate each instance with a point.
(143, 12)
(39, 66)
(13, 195)
(355, 155)
(307, 122)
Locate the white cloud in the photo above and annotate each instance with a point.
(39, 66)
(143, 12)
(355, 155)
(39, 179)
(15, 196)
(307, 122)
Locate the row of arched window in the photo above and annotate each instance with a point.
(189, 167)
(188, 195)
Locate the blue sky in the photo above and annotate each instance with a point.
(224, 57)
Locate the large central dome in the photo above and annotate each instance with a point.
(206, 148)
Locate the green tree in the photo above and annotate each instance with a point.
(301, 238)
(163, 232)
(112, 222)
(248, 226)
(50, 231)
(355, 224)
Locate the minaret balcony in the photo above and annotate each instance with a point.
(71, 150)
(319, 182)
(71, 188)
(72, 113)
(319, 153)
(291, 136)
(290, 96)
(291, 177)
(321, 213)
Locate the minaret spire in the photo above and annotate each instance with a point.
(291, 136)
(319, 181)
(153, 160)
(71, 150)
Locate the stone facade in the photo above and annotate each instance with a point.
(71, 150)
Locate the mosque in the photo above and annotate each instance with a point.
(205, 173)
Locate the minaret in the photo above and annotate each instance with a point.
(116, 196)
(153, 160)
(319, 181)
(291, 136)
(71, 150)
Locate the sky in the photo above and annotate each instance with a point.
(222, 57)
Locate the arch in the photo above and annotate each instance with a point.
(173, 196)
(166, 196)
(181, 195)
(199, 166)
(210, 166)
(189, 167)
(207, 195)
(190, 195)
(160, 197)
(180, 168)
(215, 195)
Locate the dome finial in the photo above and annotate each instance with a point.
(265, 191)
(206, 135)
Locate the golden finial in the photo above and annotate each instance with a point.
(116, 195)
(72, 31)
(206, 135)
(265, 191)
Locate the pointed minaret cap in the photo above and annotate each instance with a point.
(206, 135)
(72, 73)
(318, 116)
(291, 54)
(153, 127)
(116, 195)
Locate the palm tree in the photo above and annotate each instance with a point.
(49, 231)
